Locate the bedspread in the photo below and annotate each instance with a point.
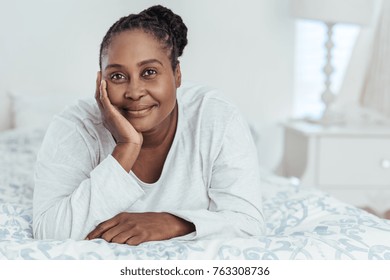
(301, 223)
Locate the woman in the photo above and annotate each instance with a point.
(143, 162)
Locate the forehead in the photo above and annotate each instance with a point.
(134, 46)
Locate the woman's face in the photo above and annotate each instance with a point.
(140, 79)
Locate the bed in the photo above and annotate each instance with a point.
(301, 223)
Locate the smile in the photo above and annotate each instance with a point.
(138, 112)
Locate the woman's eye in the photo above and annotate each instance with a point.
(149, 73)
(117, 77)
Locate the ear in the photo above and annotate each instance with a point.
(178, 75)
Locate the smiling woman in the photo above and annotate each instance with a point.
(141, 81)
(148, 159)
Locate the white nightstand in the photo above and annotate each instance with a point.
(351, 163)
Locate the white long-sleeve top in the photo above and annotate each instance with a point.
(210, 176)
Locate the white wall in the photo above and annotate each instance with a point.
(244, 47)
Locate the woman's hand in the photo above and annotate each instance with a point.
(128, 140)
(136, 228)
(118, 125)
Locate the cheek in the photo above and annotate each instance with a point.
(115, 93)
(169, 99)
(163, 92)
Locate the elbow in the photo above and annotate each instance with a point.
(38, 232)
(44, 228)
(256, 229)
(242, 225)
(251, 227)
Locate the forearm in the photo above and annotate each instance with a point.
(126, 154)
(65, 211)
(210, 224)
(179, 226)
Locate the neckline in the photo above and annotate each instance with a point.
(174, 144)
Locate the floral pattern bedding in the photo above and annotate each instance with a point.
(301, 223)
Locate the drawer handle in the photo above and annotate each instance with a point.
(385, 163)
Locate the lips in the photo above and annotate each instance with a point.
(138, 111)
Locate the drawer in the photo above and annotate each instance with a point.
(353, 162)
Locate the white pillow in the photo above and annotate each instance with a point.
(32, 110)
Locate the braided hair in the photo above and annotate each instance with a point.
(161, 22)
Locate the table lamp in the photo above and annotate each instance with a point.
(331, 12)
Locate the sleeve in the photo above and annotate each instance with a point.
(73, 193)
(235, 208)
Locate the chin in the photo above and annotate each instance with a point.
(142, 125)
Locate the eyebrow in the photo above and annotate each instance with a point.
(148, 61)
(139, 64)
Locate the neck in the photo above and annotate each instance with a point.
(164, 133)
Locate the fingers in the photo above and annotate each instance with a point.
(97, 90)
(101, 95)
(123, 235)
(98, 79)
(104, 96)
(118, 234)
(102, 228)
(130, 237)
(135, 240)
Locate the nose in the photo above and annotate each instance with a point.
(135, 90)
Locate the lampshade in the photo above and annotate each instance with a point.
(335, 11)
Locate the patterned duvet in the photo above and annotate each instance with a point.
(301, 224)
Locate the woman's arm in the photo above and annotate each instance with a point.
(235, 194)
(235, 201)
(73, 192)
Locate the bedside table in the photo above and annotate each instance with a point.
(350, 163)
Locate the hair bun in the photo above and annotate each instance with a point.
(166, 27)
(173, 23)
